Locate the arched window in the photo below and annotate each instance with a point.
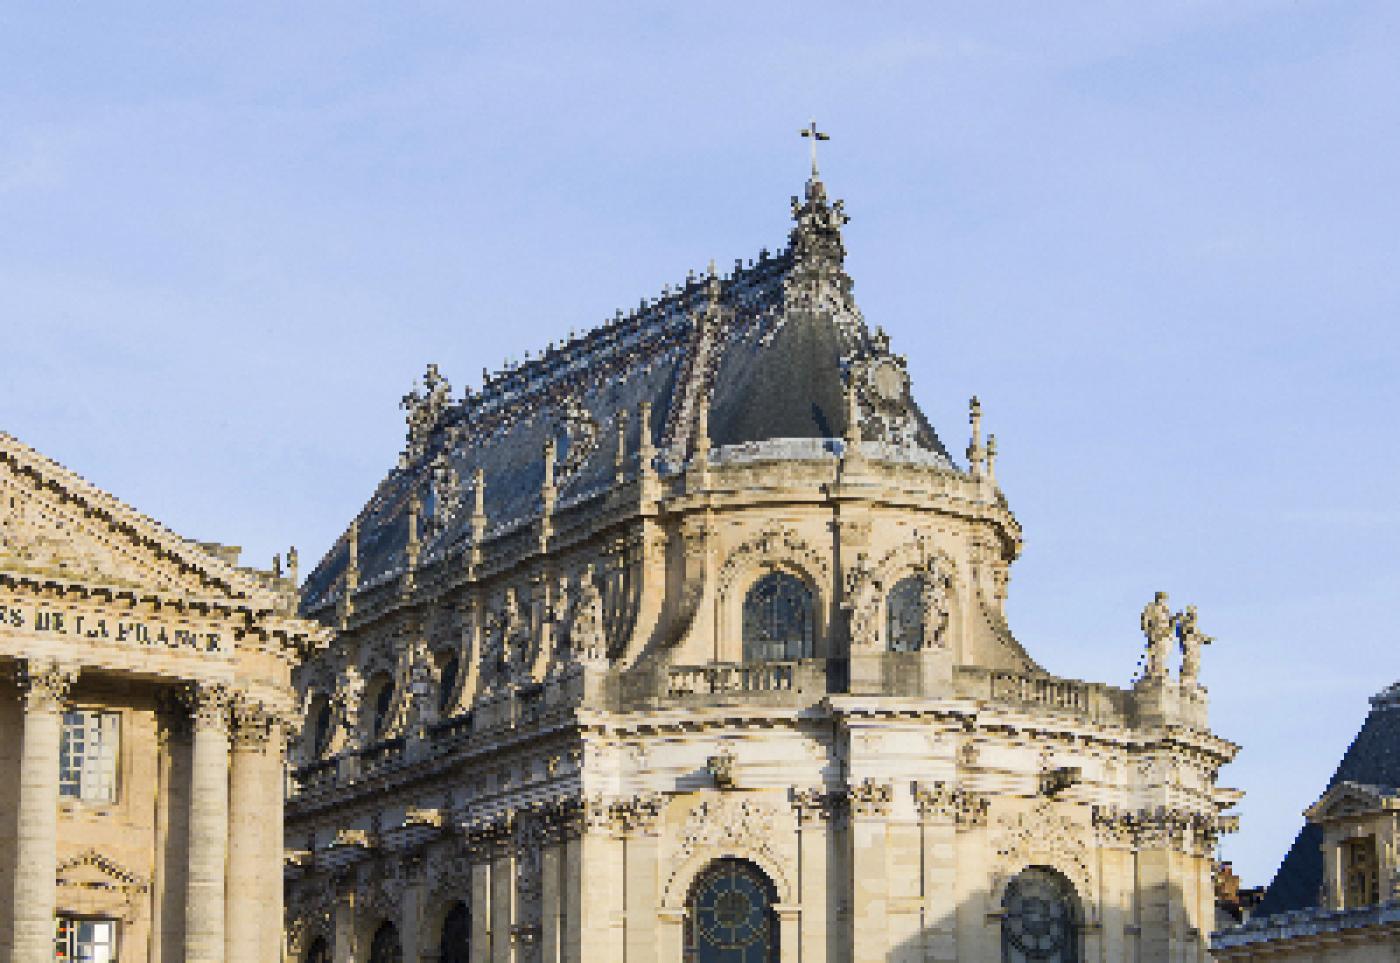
(447, 682)
(778, 619)
(319, 952)
(1041, 924)
(455, 945)
(379, 696)
(320, 726)
(729, 915)
(385, 946)
(904, 615)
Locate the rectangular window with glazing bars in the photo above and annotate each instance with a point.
(88, 751)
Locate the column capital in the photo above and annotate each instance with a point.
(250, 723)
(44, 683)
(207, 705)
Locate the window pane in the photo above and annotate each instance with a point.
(88, 751)
(777, 619)
(904, 616)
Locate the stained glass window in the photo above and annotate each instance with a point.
(729, 916)
(456, 940)
(87, 755)
(904, 615)
(777, 619)
(385, 946)
(1041, 919)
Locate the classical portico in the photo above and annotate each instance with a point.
(146, 679)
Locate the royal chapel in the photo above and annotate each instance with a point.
(682, 641)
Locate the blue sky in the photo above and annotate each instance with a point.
(1159, 241)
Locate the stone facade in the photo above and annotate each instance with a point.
(145, 689)
(688, 636)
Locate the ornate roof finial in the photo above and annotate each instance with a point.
(646, 451)
(702, 431)
(853, 438)
(811, 131)
(992, 459)
(412, 547)
(620, 456)
(975, 451)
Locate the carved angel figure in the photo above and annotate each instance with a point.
(936, 609)
(1189, 634)
(1157, 625)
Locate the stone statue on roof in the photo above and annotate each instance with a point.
(1191, 637)
(424, 406)
(1158, 625)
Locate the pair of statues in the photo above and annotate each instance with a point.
(1161, 626)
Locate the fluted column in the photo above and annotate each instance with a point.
(44, 685)
(208, 845)
(250, 812)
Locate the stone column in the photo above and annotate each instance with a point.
(249, 819)
(43, 686)
(274, 843)
(208, 846)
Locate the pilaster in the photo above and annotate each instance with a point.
(869, 810)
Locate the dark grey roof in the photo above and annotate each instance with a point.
(771, 346)
(1372, 758)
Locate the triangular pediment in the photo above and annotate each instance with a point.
(1349, 800)
(56, 526)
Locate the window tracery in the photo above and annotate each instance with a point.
(778, 619)
(1041, 921)
(730, 916)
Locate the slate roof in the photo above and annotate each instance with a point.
(771, 346)
(1373, 758)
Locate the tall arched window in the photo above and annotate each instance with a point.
(904, 615)
(455, 945)
(447, 682)
(379, 696)
(320, 719)
(385, 946)
(1041, 924)
(729, 915)
(778, 623)
(319, 952)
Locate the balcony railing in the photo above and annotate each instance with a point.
(725, 678)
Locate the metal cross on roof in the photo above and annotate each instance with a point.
(811, 131)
